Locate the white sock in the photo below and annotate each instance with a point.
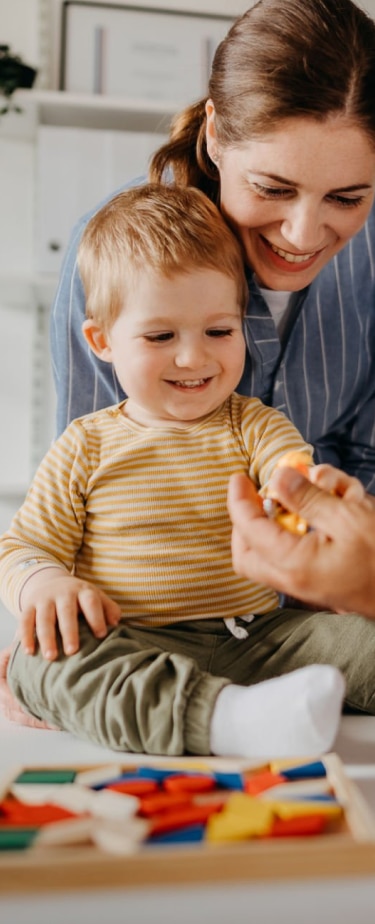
(295, 715)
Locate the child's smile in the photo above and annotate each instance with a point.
(177, 346)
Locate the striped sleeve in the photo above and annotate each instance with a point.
(268, 435)
(48, 528)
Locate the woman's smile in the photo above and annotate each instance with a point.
(286, 260)
(295, 196)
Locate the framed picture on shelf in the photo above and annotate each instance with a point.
(138, 53)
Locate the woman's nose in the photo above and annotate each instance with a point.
(303, 228)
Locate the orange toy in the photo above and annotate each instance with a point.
(290, 521)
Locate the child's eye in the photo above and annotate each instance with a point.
(219, 332)
(159, 338)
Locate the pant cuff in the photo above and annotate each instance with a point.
(198, 714)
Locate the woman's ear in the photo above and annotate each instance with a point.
(211, 139)
(97, 340)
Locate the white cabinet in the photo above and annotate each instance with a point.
(27, 399)
(139, 53)
(16, 374)
(70, 180)
(17, 206)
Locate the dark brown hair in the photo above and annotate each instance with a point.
(282, 59)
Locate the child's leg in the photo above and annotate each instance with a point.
(124, 692)
(124, 695)
(296, 714)
(289, 639)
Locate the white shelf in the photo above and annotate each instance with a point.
(57, 107)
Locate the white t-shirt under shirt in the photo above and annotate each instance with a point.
(280, 305)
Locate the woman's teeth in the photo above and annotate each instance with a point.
(292, 257)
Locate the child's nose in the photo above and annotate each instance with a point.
(190, 354)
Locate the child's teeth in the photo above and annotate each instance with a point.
(191, 384)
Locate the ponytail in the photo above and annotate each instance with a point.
(184, 158)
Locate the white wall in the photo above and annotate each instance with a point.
(19, 28)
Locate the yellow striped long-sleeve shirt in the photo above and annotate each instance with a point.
(141, 512)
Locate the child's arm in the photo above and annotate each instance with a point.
(37, 554)
(51, 599)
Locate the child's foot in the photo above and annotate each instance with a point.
(295, 715)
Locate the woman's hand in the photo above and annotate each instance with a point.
(334, 561)
(51, 599)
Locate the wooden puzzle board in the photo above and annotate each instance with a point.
(347, 850)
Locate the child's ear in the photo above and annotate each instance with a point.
(97, 340)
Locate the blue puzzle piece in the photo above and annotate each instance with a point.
(230, 780)
(312, 770)
(192, 834)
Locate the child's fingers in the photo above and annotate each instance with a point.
(67, 618)
(91, 605)
(39, 623)
(26, 630)
(45, 627)
(57, 607)
(112, 611)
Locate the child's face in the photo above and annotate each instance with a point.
(177, 347)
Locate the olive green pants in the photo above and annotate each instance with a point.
(154, 690)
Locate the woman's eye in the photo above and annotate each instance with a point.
(272, 192)
(346, 203)
(219, 332)
(159, 338)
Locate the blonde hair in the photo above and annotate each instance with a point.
(166, 229)
(282, 59)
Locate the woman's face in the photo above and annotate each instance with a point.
(295, 196)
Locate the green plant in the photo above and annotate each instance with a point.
(13, 74)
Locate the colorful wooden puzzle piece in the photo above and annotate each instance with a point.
(120, 809)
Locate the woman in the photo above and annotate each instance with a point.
(285, 143)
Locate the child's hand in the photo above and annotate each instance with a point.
(52, 599)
